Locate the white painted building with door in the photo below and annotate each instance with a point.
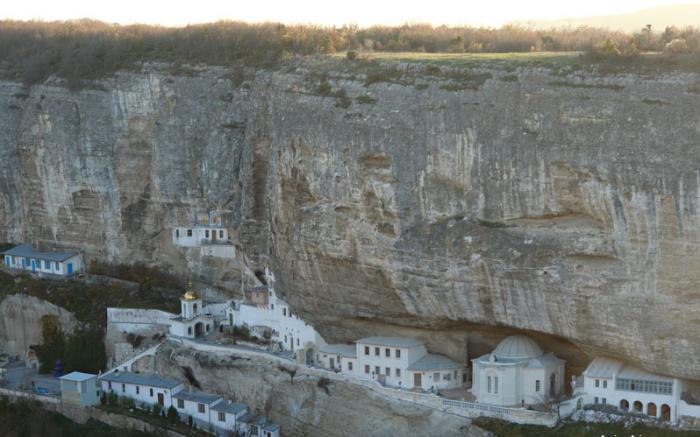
(517, 372)
(143, 389)
(27, 258)
(197, 405)
(631, 389)
(396, 362)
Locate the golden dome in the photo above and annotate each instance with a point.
(190, 294)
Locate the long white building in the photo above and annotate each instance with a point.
(143, 389)
(394, 361)
(608, 381)
(26, 257)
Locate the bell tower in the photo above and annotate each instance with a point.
(190, 303)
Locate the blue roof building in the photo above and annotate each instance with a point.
(28, 258)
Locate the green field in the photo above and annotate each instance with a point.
(502, 428)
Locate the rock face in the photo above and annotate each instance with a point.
(480, 200)
(303, 408)
(20, 322)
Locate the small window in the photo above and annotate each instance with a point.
(376, 351)
(200, 408)
(436, 377)
(123, 388)
(495, 384)
(367, 369)
(150, 392)
(284, 311)
(388, 371)
(138, 390)
(206, 233)
(366, 350)
(605, 384)
(297, 341)
(47, 265)
(488, 384)
(595, 400)
(387, 352)
(189, 232)
(177, 233)
(109, 385)
(376, 370)
(398, 353)
(221, 234)
(605, 401)
(56, 266)
(349, 365)
(398, 373)
(222, 416)
(180, 404)
(537, 386)
(597, 383)
(455, 374)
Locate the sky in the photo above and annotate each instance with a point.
(362, 12)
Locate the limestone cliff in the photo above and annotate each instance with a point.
(479, 199)
(305, 407)
(20, 322)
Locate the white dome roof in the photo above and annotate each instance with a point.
(517, 347)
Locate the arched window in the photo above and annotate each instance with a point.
(624, 405)
(651, 409)
(638, 406)
(488, 384)
(495, 384)
(194, 309)
(553, 384)
(665, 413)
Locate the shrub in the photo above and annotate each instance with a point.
(351, 55)
(676, 46)
(173, 417)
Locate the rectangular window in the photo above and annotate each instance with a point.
(47, 265)
(297, 341)
(605, 384)
(200, 408)
(180, 404)
(597, 383)
(376, 351)
(349, 365)
(284, 312)
(222, 416)
(537, 386)
(206, 233)
(488, 384)
(387, 352)
(221, 234)
(495, 384)
(138, 390)
(366, 350)
(595, 400)
(189, 232)
(150, 392)
(398, 353)
(109, 385)
(436, 377)
(398, 373)
(605, 401)
(387, 371)
(123, 388)
(367, 369)
(455, 374)
(376, 370)
(56, 266)
(177, 233)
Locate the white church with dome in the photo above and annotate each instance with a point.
(517, 372)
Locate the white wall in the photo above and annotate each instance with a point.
(201, 235)
(191, 409)
(614, 397)
(144, 395)
(53, 267)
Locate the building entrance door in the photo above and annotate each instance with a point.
(417, 382)
(34, 265)
(161, 399)
(332, 363)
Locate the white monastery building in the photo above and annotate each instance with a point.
(395, 362)
(194, 320)
(517, 372)
(207, 233)
(26, 257)
(607, 381)
(263, 310)
(143, 389)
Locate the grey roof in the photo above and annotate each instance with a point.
(637, 373)
(517, 347)
(261, 288)
(603, 368)
(77, 376)
(27, 251)
(346, 350)
(151, 380)
(261, 421)
(435, 362)
(391, 341)
(197, 396)
(229, 407)
(545, 361)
